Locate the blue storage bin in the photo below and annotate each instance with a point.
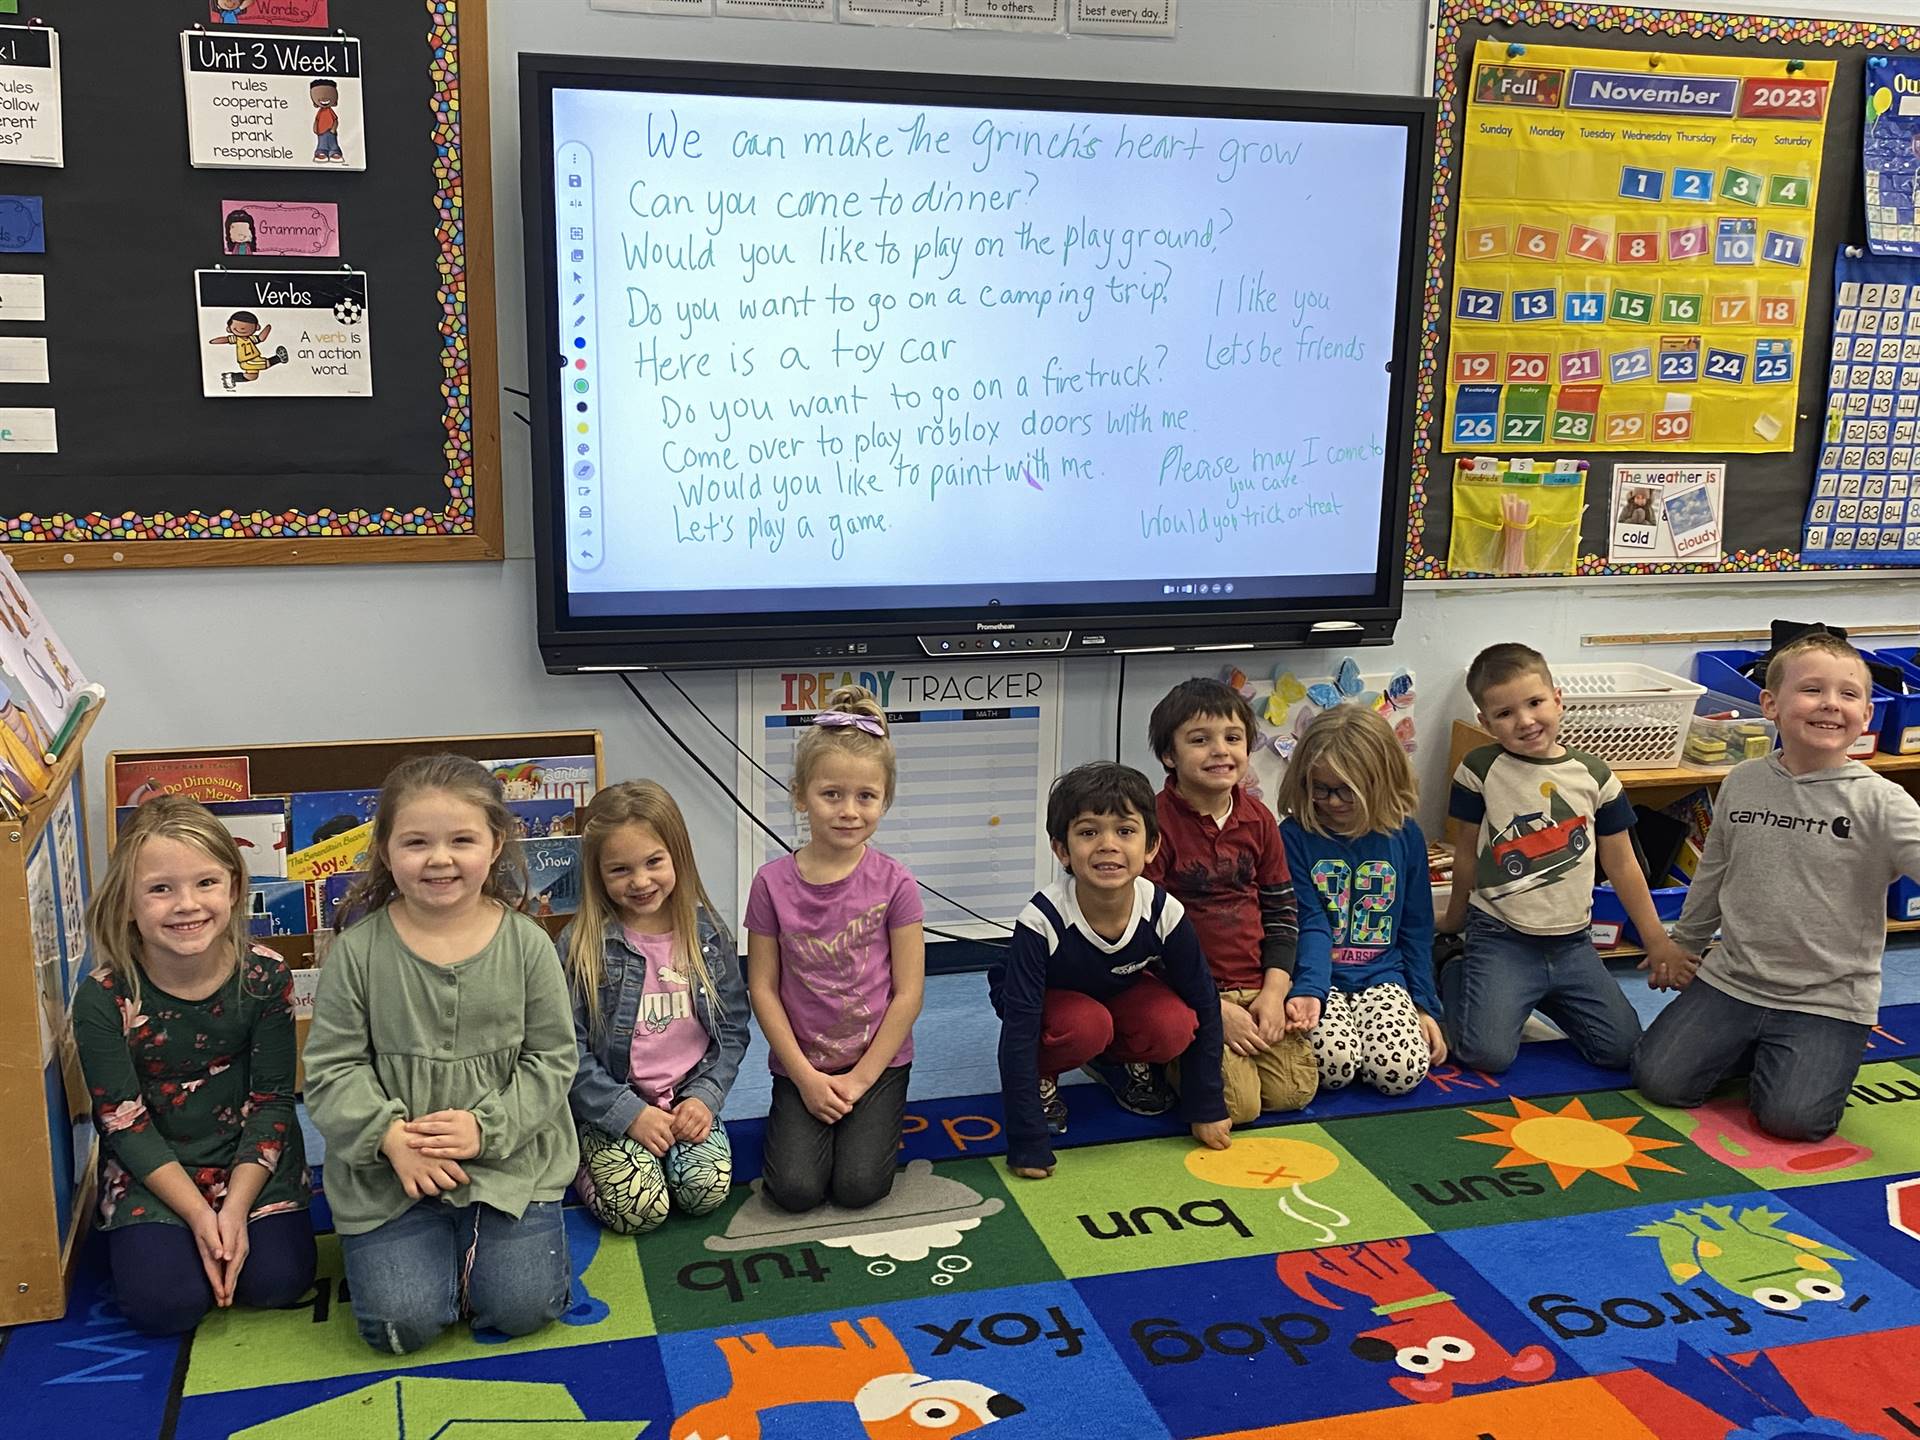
(1720, 670)
(1611, 926)
(1901, 735)
(1903, 900)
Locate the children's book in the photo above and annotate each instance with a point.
(24, 774)
(278, 907)
(1695, 811)
(38, 666)
(541, 818)
(210, 777)
(330, 894)
(316, 815)
(553, 875)
(258, 827)
(552, 777)
(345, 851)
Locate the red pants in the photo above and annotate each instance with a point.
(1145, 1022)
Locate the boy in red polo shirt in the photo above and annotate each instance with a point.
(1221, 856)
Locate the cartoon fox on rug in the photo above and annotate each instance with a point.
(1426, 1334)
(866, 1367)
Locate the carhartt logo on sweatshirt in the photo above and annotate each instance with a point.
(1840, 826)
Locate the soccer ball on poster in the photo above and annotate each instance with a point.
(1285, 705)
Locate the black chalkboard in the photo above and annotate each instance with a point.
(1766, 494)
(150, 472)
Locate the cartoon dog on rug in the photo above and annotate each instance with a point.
(865, 1367)
(1426, 1334)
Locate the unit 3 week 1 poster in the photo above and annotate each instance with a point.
(1634, 242)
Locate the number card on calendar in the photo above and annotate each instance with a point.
(1890, 154)
(1635, 235)
(1865, 508)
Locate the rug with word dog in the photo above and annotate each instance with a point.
(1492, 1258)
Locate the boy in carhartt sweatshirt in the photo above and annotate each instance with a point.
(1802, 848)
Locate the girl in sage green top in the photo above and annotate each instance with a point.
(185, 1033)
(437, 1069)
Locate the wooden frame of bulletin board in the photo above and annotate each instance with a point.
(152, 473)
(1767, 493)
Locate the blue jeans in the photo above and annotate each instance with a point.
(1802, 1066)
(422, 1270)
(1505, 975)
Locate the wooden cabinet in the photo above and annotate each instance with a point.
(46, 1135)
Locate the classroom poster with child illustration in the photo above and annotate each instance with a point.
(263, 101)
(283, 333)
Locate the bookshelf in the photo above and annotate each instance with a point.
(46, 1188)
(284, 769)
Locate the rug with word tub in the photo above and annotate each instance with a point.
(1542, 1253)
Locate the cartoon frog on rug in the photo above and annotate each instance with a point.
(1748, 1254)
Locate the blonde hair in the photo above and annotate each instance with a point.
(463, 779)
(1357, 747)
(636, 802)
(822, 740)
(1814, 642)
(116, 938)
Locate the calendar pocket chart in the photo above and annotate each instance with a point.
(1890, 155)
(1635, 233)
(1865, 508)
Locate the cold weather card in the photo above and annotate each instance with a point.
(284, 332)
(30, 96)
(258, 101)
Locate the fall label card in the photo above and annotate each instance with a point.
(260, 101)
(281, 333)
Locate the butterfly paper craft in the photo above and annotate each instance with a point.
(1346, 685)
(1398, 694)
(1237, 681)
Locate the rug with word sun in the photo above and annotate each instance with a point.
(1492, 1258)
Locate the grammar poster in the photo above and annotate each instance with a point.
(1631, 269)
(977, 747)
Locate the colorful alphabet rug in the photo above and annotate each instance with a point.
(1538, 1254)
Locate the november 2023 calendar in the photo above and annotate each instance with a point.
(1866, 494)
(1632, 261)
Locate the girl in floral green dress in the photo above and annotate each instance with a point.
(185, 1032)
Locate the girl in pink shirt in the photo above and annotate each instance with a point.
(836, 963)
(659, 1016)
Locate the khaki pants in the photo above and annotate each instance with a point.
(1284, 1076)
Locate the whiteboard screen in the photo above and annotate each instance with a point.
(889, 352)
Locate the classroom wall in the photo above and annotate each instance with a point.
(200, 657)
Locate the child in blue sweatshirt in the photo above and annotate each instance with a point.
(1103, 964)
(1364, 977)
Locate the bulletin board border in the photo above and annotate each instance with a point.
(1430, 466)
(469, 525)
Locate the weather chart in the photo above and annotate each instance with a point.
(1632, 264)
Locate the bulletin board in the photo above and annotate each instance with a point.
(1766, 490)
(151, 471)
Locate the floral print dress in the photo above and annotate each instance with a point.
(208, 1083)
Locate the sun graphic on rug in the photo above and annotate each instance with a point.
(1572, 1143)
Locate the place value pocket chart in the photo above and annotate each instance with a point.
(1865, 508)
(1635, 235)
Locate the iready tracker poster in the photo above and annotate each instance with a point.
(281, 333)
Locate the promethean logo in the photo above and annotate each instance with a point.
(996, 625)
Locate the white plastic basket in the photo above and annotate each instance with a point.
(1629, 715)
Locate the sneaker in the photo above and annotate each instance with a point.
(1052, 1106)
(1138, 1087)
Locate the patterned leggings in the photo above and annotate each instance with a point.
(1375, 1034)
(629, 1191)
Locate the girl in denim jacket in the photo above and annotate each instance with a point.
(659, 1015)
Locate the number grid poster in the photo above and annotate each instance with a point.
(1767, 483)
(1634, 239)
(977, 747)
(1866, 495)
